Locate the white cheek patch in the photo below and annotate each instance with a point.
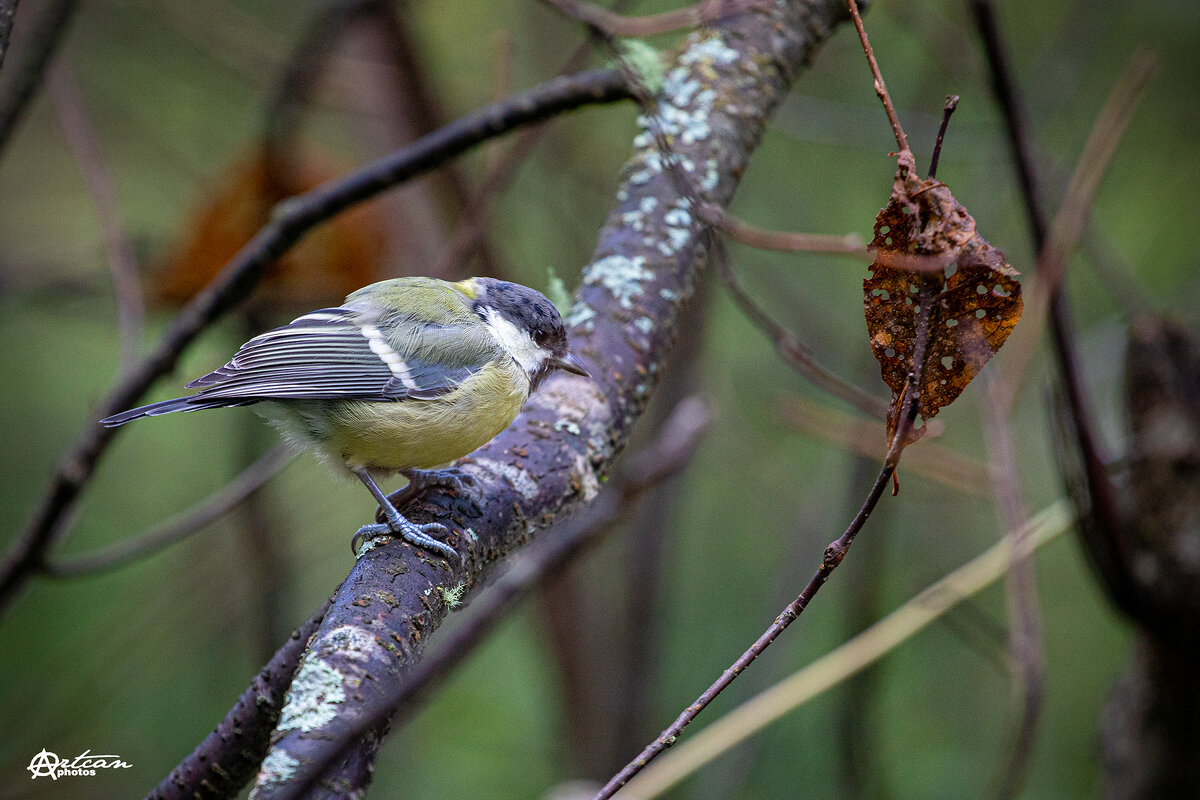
(518, 343)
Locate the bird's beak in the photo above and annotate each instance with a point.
(571, 363)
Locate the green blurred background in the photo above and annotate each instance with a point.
(144, 661)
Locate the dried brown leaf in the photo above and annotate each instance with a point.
(926, 245)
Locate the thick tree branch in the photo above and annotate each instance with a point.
(720, 90)
(292, 220)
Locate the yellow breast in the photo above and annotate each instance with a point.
(425, 433)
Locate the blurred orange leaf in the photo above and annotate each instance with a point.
(926, 246)
(329, 263)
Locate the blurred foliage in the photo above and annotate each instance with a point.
(143, 662)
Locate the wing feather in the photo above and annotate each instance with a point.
(341, 353)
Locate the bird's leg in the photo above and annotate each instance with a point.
(396, 523)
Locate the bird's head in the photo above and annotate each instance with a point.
(528, 327)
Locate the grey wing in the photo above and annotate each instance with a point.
(331, 354)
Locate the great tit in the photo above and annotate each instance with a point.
(408, 374)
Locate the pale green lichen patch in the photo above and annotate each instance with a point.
(582, 315)
(370, 544)
(621, 275)
(518, 478)
(453, 597)
(351, 642)
(313, 698)
(568, 425)
(278, 767)
(643, 60)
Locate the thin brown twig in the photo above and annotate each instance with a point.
(179, 527)
(947, 111)
(1073, 214)
(743, 232)
(795, 353)
(614, 24)
(880, 88)
(834, 553)
(64, 92)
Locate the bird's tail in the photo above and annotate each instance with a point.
(166, 407)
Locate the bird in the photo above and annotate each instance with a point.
(406, 375)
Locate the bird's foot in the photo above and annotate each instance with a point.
(450, 477)
(414, 534)
(421, 479)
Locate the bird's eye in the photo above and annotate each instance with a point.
(541, 336)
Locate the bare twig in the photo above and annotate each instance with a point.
(880, 88)
(793, 351)
(25, 72)
(1108, 515)
(178, 527)
(951, 104)
(613, 24)
(229, 756)
(667, 455)
(832, 669)
(785, 241)
(293, 219)
(64, 92)
(833, 556)
(1071, 221)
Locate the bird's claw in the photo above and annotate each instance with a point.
(414, 534)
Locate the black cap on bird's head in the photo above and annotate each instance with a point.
(528, 326)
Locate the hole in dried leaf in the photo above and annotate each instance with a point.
(947, 362)
(890, 352)
(980, 313)
(981, 289)
(885, 228)
(950, 323)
